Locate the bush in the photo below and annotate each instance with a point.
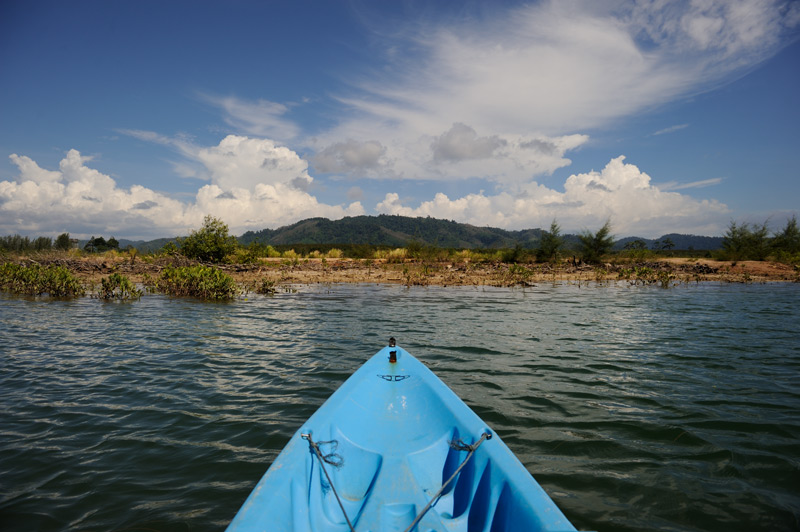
(56, 281)
(202, 282)
(117, 286)
(211, 243)
(637, 251)
(266, 287)
(514, 256)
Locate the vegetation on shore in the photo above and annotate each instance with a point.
(210, 264)
(203, 282)
(35, 279)
(117, 286)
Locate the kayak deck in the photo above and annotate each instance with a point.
(388, 434)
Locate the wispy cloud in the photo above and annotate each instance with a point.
(671, 129)
(560, 66)
(262, 118)
(477, 91)
(672, 185)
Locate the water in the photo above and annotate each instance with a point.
(636, 408)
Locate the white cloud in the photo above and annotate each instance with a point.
(671, 129)
(32, 171)
(722, 34)
(243, 162)
(81, 200)
(563, 66)
(672, 185)
(620, 192)
(471, 98)
(255, 184)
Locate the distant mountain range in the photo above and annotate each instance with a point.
(398, 231)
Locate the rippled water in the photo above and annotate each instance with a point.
(636, 408)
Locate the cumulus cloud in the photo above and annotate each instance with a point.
(243, 162)
(81, 200)
(620, 192)
(350, 156)
(255, 184)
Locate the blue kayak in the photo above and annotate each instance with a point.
(394, 450)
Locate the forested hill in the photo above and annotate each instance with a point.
(398, 231)
(387, 230)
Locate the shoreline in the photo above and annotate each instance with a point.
(664, 272)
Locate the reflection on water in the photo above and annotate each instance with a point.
(636, 408)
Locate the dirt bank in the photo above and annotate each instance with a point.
(312, 271)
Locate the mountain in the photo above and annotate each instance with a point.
(682, 242)
(389, 230)
(398, 231)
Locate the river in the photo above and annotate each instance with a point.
(635, 408)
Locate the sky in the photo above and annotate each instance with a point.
(138, 119)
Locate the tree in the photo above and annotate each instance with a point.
(594, 246)
(635, 245)
(43, 243)
(62, 242)
(636, 250)
(96, 245)
(550, 244)
(741, 242)
(210, 243)
(759, 242)
(788, 240)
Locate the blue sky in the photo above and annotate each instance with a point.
(136, 119)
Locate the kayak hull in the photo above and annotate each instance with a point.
(386, 434)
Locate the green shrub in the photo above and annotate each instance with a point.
(57, 281)
(514, 256)
(211, 243)
(202, 282)
(117, 286)
(266, 287)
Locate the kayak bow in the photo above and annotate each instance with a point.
(393, 450)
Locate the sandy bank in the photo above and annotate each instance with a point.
(312, 271)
